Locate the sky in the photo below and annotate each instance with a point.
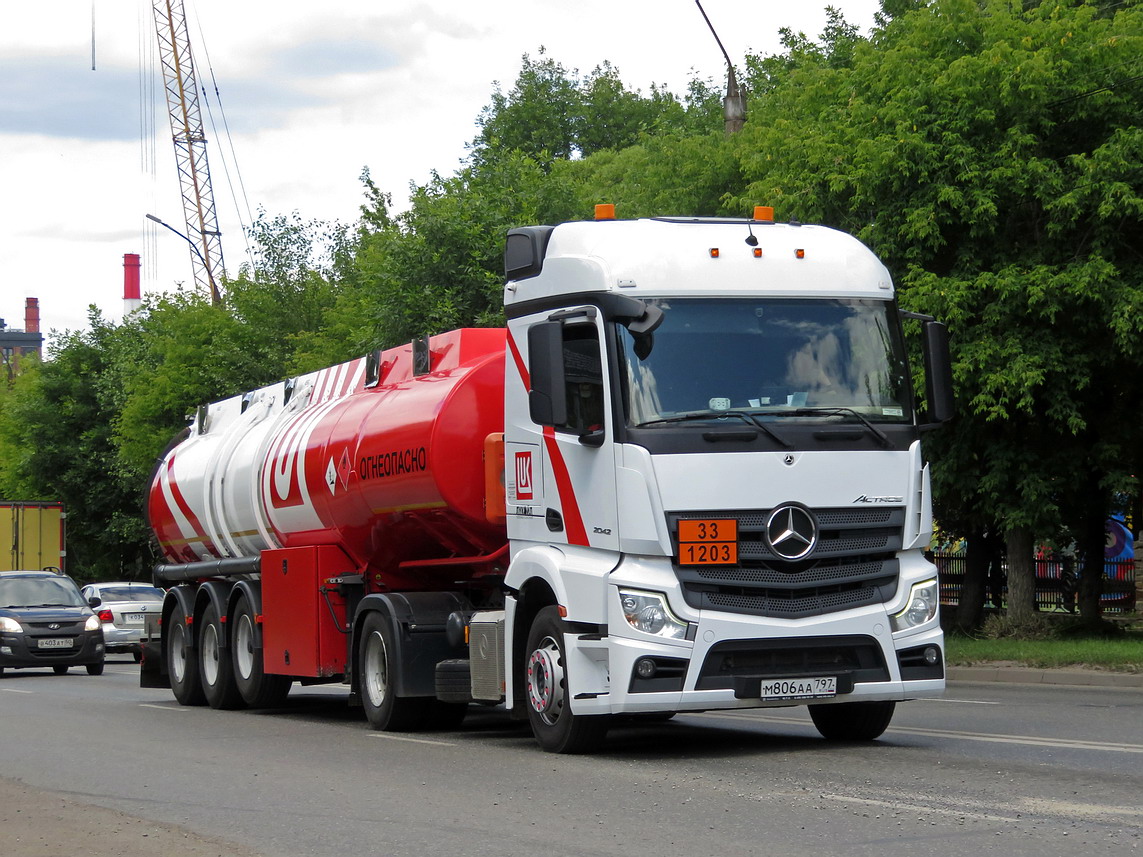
(311, 94)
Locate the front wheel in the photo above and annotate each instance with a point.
(60, 669)
(95, 669)
(852, 721)
(377, 677)
(556, 729)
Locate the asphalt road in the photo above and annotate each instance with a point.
(990, 769)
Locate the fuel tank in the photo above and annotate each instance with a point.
(377, 456)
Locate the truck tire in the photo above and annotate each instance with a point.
(556, 729)
(258, 690)
(377, 677)
(215, 665)
(852, 721)
(182, 665)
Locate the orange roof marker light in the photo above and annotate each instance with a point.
(714, 252)
(800, 253)
(764, 213)
(605, 211)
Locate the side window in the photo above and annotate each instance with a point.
(583, 374)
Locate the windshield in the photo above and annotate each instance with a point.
(127, 593)
(39, 592)
(768, 357)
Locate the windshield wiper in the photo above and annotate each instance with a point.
(745, 416)
(837, 411)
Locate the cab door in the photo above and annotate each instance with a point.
(559, 441)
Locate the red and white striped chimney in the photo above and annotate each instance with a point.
(131, 296)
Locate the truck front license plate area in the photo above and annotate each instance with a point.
(821, 687)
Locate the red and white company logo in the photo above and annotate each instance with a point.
(524, 475)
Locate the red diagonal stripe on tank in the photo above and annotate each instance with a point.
(185, 508)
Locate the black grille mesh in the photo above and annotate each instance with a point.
(853, 564)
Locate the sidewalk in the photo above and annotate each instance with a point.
(1012, 674)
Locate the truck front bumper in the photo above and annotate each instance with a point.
(733, 661)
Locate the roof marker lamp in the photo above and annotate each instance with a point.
(648, 612)
(924, 599)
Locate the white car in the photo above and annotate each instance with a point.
(122, 610)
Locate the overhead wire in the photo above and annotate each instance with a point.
(244, 221)
(148, 142)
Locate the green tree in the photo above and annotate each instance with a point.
(989, 152)
(56, 444)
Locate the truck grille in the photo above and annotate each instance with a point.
(853, 564)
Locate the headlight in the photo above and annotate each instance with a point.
(10, 626)
(924, 599)
(92, 623)
(648, 612)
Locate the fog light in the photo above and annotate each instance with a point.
(5, 650)
(645, 668)
(932, 655)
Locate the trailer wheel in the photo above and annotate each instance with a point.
(182, 665)
(852, 721)
(557, 730)
(377, 674)
(258, 690)
(215, 666)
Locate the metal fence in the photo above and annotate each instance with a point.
(1056, 584)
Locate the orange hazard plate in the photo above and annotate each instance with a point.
(708, 542)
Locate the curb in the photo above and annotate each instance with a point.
(1023, 675)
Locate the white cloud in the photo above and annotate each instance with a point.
(312, 92)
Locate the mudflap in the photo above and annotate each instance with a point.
(152, 669)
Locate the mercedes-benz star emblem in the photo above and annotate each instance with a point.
(791, 532)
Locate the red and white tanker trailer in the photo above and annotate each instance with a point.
(686, 476)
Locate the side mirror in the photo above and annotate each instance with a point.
(94, 601)
(547, 400)
(938, 373)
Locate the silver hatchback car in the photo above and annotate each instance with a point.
(123, 609)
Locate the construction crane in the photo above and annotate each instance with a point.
(190, 145)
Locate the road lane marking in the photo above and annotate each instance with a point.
(163, 707)
(1059, 743)
(962, 701)
(1019, 807)
(1027, 740)
(14, 690)
(410, 740)
(912, 806)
